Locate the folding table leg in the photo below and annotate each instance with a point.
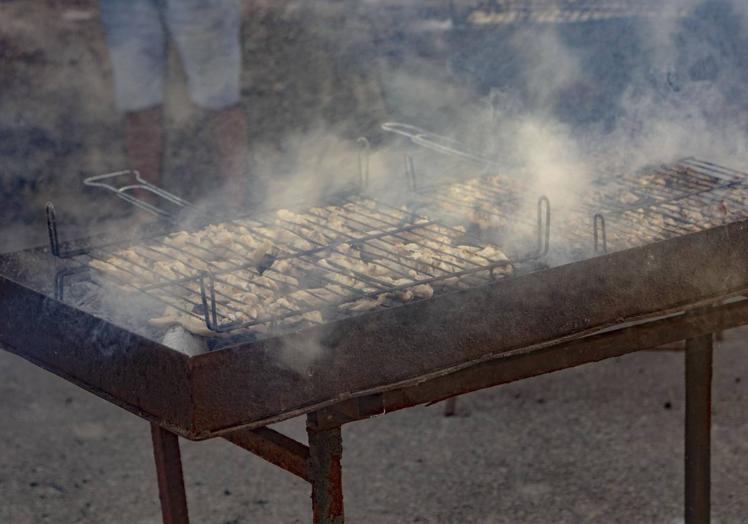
(698, 428)
(325, 472)
(170, 479)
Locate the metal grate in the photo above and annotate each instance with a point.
(620, 211)
(313, 266)
(486, 202)
(500, 12)
(665, 201)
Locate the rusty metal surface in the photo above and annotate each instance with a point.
(325, 472)
(252, 384)
(170, 479)
(276, 448)
(698, 429)
(125, 368)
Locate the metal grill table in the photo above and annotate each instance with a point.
(493, 332)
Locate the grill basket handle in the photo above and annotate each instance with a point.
(124, 183)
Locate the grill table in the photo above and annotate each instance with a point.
(684, 288)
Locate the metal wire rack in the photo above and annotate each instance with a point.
(617, 212)
(662, 202)
(316, 266)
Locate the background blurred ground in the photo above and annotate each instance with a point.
(597, 444)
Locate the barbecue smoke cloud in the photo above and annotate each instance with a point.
(553, 104)
(571, 102)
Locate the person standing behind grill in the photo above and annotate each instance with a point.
(206, 34)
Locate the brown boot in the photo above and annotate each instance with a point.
(144, 143)
(227, 130)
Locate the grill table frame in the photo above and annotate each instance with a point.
(393, 359)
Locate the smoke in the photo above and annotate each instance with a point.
(558, 105)
(553, 104)
(685, 97)
(306, 166)
(300, 355)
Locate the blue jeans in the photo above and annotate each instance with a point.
(206, 34)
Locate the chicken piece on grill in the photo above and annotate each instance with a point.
(366, 304)
(168, 270)
(628, 198)
(284, 215)
(266, 282)
(307, 297)
(315, 317)
(423, 291)
(291, 241)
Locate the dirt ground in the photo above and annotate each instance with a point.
(600, 444)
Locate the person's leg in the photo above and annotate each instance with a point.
(227, 129)
(144, 143)
(207, 37)
(137, 49)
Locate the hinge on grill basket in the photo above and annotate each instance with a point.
(209, 310)
(61, 277)
(364, 153)
(544, 225)
(54, 239)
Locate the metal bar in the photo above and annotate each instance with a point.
(438, 143)
(544, 225)
(698, 428)
(107, 182)
(410, 173)
(599, 234)
(325, 471)
(276, 448)
(364, 153)
(170, 480)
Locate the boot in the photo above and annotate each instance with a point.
(227, 130)
(144, 143)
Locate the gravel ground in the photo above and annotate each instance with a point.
(599, 443)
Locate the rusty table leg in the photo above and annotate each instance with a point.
(450, 406)
(698, 428)
(170, 480)
(325, 472)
